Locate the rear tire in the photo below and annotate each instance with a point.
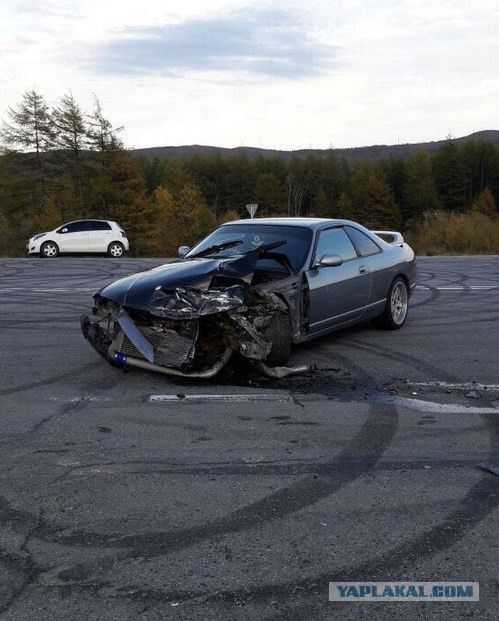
(280, 334)
(397, 306)
(49, 250)
(115, 250)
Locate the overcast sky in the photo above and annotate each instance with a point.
(275, 74)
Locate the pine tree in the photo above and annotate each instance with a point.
(449, 177)
(419, 194)
(30, 131)
(71, 137)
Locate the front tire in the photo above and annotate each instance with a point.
(397, 306)
(279, 333)
(49, 250)
(115, 250)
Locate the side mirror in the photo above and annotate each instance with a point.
(182, 251)
(329, 260)
(64, 230)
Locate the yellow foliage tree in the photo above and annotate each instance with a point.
(177, 220)
(486, 205)
(228, 216)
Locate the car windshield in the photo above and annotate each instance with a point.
(249, 237)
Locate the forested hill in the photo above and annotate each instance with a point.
(353, 155)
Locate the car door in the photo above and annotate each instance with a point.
(100, 235)
(338, 295)
(73, 237)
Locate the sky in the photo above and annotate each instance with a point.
(273, 74)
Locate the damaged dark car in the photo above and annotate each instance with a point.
(253, 287)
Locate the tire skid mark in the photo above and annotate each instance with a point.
(22, 565)
(415, 363)
(480, 501)
(47, 381)
(375, 436)
(69, 408)
(477, 504)
(435, 294)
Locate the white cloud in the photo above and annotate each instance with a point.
(292, 75)
(261, 42)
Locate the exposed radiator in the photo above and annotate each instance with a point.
(170, 349)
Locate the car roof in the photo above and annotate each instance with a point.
(311, 223)
(86, 220)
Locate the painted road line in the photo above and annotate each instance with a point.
(455, 385)
(237, 398)
(459, 288)
(436, 408)
(48, 290)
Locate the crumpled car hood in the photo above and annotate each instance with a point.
(138, 290)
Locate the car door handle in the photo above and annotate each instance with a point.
(363, 269)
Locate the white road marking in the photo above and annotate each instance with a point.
(438, 408)
(413, 404)
(221, 397)
(456, 386)
(48, 290)
(459, 287)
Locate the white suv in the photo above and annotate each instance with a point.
(81, 236)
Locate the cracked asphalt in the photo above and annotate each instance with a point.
(127, 495)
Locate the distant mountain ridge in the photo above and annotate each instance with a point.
(354, 154)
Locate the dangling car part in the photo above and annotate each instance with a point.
(255, 287)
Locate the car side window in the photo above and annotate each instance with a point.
(74, 227)
(364, 244)
(99, 225)
(335, 241)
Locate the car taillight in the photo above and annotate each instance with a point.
(123, 234)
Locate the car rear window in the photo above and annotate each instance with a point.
(99, 225)
(364, 244)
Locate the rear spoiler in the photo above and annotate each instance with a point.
(391, 237)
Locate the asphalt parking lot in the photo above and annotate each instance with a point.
(128, 495)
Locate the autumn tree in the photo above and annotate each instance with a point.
(154, 171)
(180, 219)
(372, 203)
(240, 181)
(343, 207)
(270, 195)
(449, 178)
(101, 135)
(486, 205)
(419, 194)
